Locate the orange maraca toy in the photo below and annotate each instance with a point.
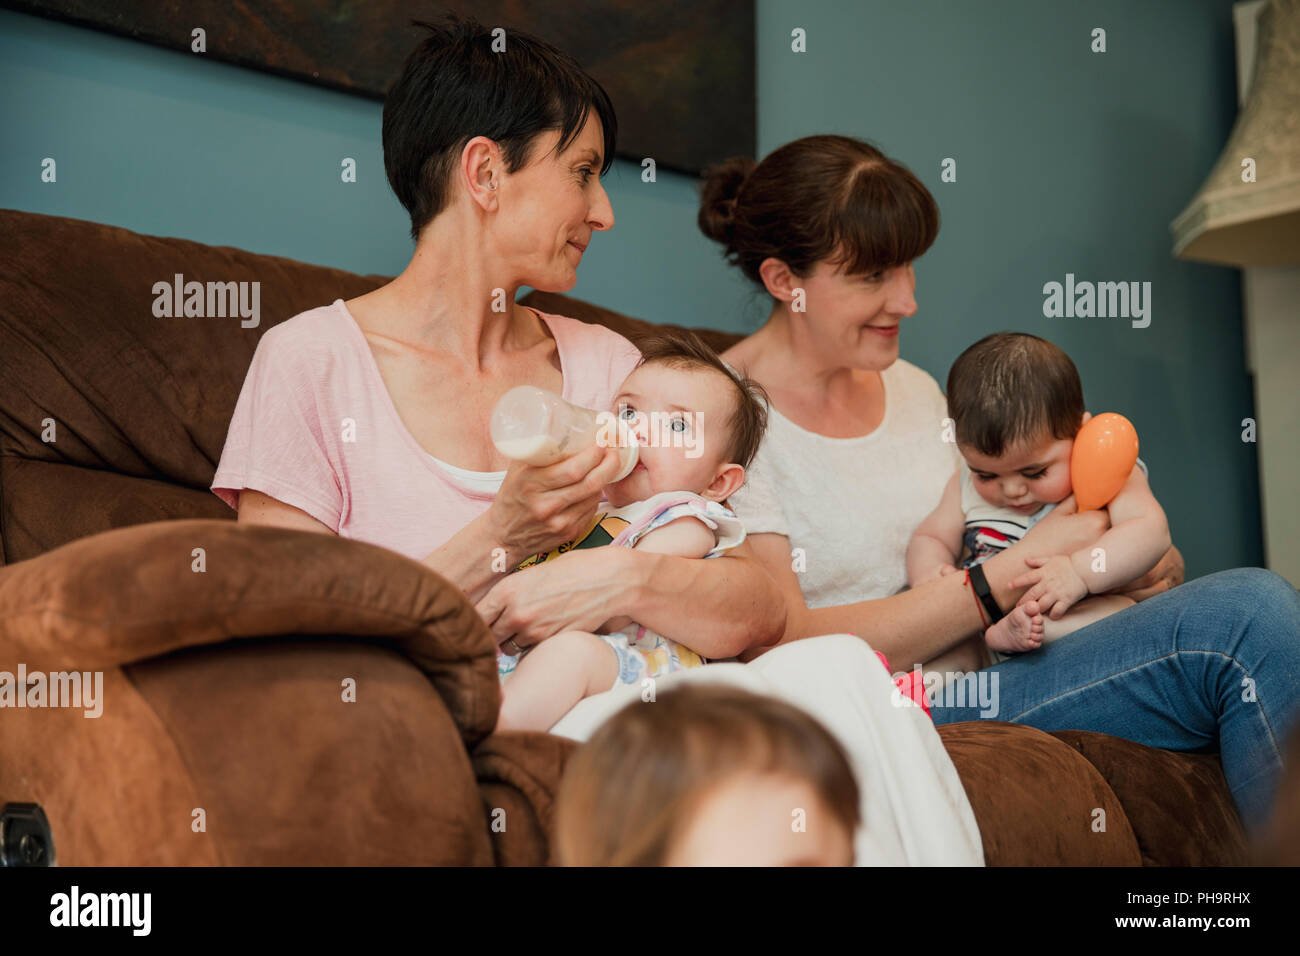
(1105, 451)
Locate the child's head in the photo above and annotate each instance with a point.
(697, 422)
(1017, 404)
(708, 775)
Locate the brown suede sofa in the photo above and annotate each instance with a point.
(279, 697)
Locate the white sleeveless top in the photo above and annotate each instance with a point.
(849, 505)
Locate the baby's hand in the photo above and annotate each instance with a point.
(946, 569)
(1055, 585)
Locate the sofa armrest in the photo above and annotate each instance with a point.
(135, 593)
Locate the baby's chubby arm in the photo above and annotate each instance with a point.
(686, 537)
(936, 543)
(1136, 541)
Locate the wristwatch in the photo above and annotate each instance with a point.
(985, 594)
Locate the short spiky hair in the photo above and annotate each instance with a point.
(455, 87)
(682, 348)
(1011, 387)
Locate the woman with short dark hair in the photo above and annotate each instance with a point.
(369, 418)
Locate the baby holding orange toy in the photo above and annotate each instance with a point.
(1016, 402)
(672, 502)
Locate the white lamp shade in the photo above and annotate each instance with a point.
(1239, 223)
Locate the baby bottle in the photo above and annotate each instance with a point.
(539, 427)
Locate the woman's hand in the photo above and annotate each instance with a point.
(538, 508)
(1168, 573)
(573, 592)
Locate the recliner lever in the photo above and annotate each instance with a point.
(25, 837)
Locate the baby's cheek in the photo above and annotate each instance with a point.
(681, 467)
(1060, 489)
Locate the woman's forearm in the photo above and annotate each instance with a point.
(467, 559)
(910, 627)
(920, 624)
(718, 607)
(932, 618)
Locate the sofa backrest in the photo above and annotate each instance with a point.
(111, 415)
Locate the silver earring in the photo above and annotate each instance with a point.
(492, 185)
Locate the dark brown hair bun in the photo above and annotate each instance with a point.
(722, 184)
(819, 199)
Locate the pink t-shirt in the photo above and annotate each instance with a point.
(316, 428)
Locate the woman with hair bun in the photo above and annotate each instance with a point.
(854, 458)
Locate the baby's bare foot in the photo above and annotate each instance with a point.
(1020, 630)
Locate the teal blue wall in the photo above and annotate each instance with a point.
(174, 144)
(1067, 161)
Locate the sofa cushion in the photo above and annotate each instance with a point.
(1038, 802)
(91, 378)
(46, 504)
(1156, 787)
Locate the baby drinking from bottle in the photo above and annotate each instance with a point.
(696, 427)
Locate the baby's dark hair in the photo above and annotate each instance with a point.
(629, 794)
(1011, 387)
(682, 348)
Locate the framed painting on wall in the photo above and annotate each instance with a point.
(680, 73)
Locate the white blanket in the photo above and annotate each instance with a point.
(914, 809)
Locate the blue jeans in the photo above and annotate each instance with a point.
(1212, 664)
